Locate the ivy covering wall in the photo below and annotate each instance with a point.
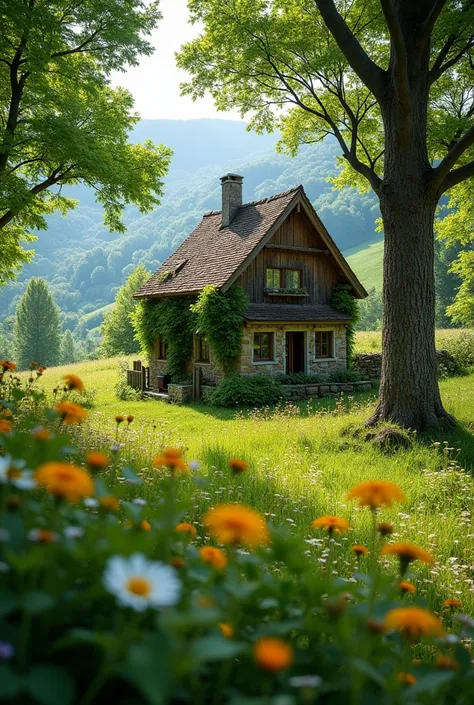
(342, 300)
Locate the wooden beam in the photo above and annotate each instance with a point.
(294, 248)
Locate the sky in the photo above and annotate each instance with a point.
(154, 84)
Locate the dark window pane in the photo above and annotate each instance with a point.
(273, 278)
(292, 279)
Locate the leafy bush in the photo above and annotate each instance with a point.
(108, 599)
(85, 398)
(181, 379)
(342, 300)
(460, 344)
(344, 376)
(124, 392)
(247, 390)
(299, 378)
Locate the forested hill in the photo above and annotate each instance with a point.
(85, 264)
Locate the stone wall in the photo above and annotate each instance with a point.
(180, 393)
(370, 364)
(297, 392)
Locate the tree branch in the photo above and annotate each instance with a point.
(433, 17)
(455, 153)
(456, 176)
(399, 53)
(368, 71)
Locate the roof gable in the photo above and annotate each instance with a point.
(216, 255)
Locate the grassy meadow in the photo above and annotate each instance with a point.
(369, 341)
(302, 461)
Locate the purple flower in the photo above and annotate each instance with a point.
(7, 651)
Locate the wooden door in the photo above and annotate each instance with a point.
(295, 352)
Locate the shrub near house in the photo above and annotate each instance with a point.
(256, 288)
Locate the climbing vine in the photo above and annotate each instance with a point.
(220, 318)
(174, 322)
(342, 300)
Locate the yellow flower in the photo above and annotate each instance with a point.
(385, 529)
(407, 553)
(273, 654)
(413, 622)
(5, 426)
(227, 629)
(236, 524)
(213, 556)
(73, 382)
(145, 525)
(110, 503)
(96, 460)
(237, 466)
(186, 528)
(71, 413)
(360, 550)
(376, 493)
(452, 604)
(407, 587)
(447, 663)
(331, 524)
(406, 678)
(65, 480)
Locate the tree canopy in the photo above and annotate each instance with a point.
(117, 328)
(60, 120)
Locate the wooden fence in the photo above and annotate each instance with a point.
(139, 377)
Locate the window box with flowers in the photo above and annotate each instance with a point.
(282, 291)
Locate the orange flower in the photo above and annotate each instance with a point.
(227, 629)
(407, 587)
(130, 419)
(385, 528)
(186, 528)
(119, 419)
(331, 524)
(376, 493)
(406, 678)
(237, 466)
(7, 365)
(407, 553)
(452, 604)
(145, 525)
(71, 413)
(73, 382)
(236, 524)
(42, 536)
(360, 550)
(96, 460)
(172, 453)
(413, 622)
(109, 503)
(65, 480)
(41, 433)
(40, 370)
(172, 460)
(273, 654)
(213, 556)
(447, 663)
(5, 426)
(177, 562)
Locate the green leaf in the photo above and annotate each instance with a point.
(8, 602)
(49, 685)
(148, 669)
(216, 648)
(369, 671)
(431, 682)
(10, 682)
(37, 602)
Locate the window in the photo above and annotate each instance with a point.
(202, 349)
(292, 278)
(273, 279)
(262, 347)
(324, 343)
(162, 349)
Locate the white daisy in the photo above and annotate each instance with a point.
(139, 583)
(11, 471)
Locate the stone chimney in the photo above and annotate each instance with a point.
(231, 197)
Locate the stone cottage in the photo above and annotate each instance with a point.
(280, 253)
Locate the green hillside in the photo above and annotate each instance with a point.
(367, 263)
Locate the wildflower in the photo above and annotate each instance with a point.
(7, 365)
(452, 604)
(407, 553)
(139, 583)
(139, 501)
(308, 682)
(41, 433)
(71, 413)
(109, 503)
(186, 528)
(11, 471)
(73, 382)
(360, 550)
(40, 371)
(5, 426)
(227, 629)
(331, 524)
(65, 480)
(405, 587)
(7, 651)
(177, 562)
(273, 654)
(130, 419)
(236, 524)
(413, 622)
(194, 465)
(237, 466)
(376, 493)
(384, 528)
(91, 503)
(447, 663)
(42, 536)
(73, 532)
(119, 419)
(145, 525)
(406, 678)
(96, 460)
(213, 556)
(170, 459)
(33, 365)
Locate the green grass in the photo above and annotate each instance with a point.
(368, 265)
(302, 461)
(371, 341)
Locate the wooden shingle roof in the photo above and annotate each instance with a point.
(294, 313)
(216, 255)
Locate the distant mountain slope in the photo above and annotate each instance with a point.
(367, 263)
(86, 264)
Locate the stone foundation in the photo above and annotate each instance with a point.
(298, 392)
(180, 393)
